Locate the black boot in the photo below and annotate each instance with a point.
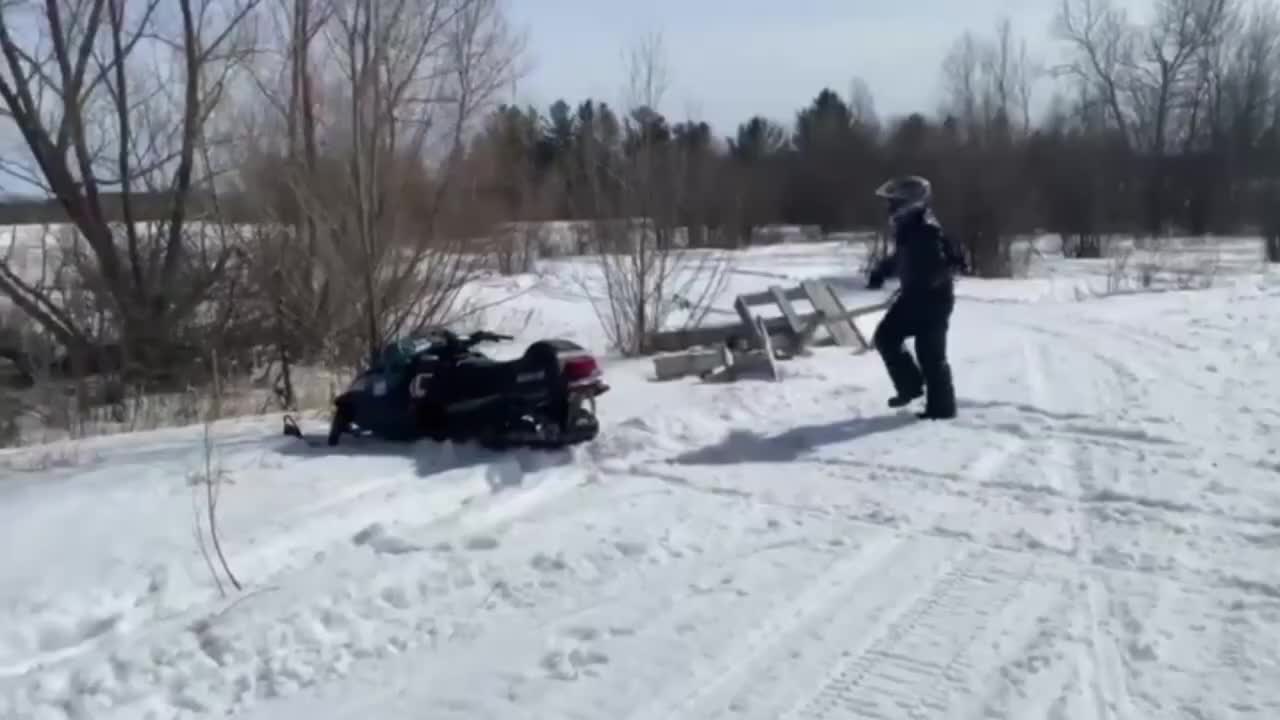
(940, 395)
(903, 399)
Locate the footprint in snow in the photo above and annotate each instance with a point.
(482, 542)
(396, 597)
(573, 664)
(377, 539)
(54, 637)
(631, 549)
(545, 563)
(582, 633)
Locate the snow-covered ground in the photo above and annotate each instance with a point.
(1096, 536)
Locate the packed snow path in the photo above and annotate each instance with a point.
(1095, 537)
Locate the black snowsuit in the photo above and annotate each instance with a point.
(923, 260)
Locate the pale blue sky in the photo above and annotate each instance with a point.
(730, 58)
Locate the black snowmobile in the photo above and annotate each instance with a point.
(437, 386)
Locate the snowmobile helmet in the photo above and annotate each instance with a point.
(905, 194)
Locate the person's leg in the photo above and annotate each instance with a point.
(931, 348)
(889, 339)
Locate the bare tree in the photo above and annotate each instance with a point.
(378, 240)
(1151, 78)
(1010, 75)
(987, 84)
(649, 203)
(288, 271)
(116, 137)
(502, 172)
(1249, 106)
(1102, 43)
(862, 104)
(963, 94)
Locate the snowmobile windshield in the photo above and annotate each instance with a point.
(398, 353)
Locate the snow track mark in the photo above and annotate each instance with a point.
(924, 663)
(898, 588)
(1099, 674)
(788, 638)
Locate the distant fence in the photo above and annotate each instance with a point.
(146, 207)
(553, 238)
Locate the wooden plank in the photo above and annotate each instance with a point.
(770, 357)
(846, 319)
(708, 335)
(788, 312)
(825, 302)
(762, 361)
(862, 339)
(864, 310)
(748, 322)
(868, 309)
(670, 367)
(760, 298)
(755, 362)
(845, 314)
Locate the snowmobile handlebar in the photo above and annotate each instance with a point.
(480, 336)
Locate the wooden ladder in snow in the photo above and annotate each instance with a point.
(747, 342)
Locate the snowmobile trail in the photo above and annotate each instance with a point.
(790, 637)
(1092, 539)
(1128, 516)
(1097, 675)
(925, 663)
(989, 615)
(894, 636)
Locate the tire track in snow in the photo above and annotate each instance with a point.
(1223, 384)
(809, 636)
(1042, 499)
(867, 680)
(1210, 448)
(924, 662)
(393, 610)
(1103, 689)
(1127, 380)
(1115, 652)
(710, 688)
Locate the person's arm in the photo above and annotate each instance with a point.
(956, 256)
(885, 268)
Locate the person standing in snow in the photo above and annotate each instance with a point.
(924, 261)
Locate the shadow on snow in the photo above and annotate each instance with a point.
(745, 446)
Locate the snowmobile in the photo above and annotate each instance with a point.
(436, 385)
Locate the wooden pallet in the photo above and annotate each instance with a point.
(757, 338)
(839, 321)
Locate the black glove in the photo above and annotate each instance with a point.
(875, 281)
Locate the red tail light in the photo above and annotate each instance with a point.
(581, 368)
